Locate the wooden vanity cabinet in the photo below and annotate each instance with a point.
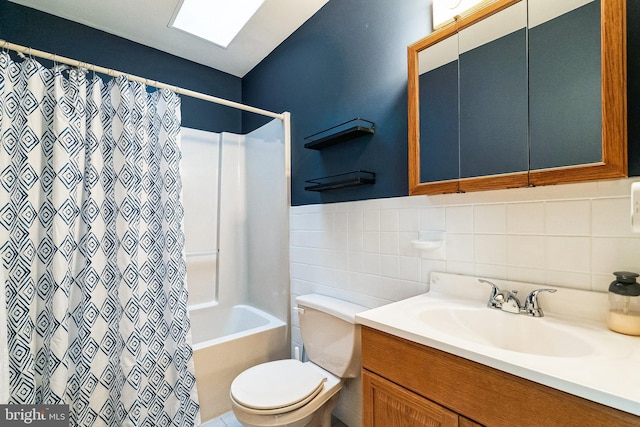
(390, 405)
(407, 384)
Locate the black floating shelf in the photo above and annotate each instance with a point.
(342, 180)
(340, 133)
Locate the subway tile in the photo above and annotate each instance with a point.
(356, 261)
(611, 254)
(371, 263)
(490, 249)
(355, 240)
(526, 251)
(524, 274)
(406, 247)
(615, 187)
(389, 243)
(459, 247)
(569, 279)
(340, 240)
(313, 256)
(567, 253)
(569, 235)
(341, 222)
(572, 217)
(311, 239)
(409, 220)
(458, 267)
(601, 282)
(340, 259)
(490, 270)
(388, 288)
(432, 219)
(389, 220)
(371, 242)
(611, 217)
(371, 220)
(525, 218)
(427, 266)
(305, 209)
(318, 275)
(409, 268)
(356, 221)
(389, 266)
(459, 219)
(490, 219)
(309, 221)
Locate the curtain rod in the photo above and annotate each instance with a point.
(113, 73)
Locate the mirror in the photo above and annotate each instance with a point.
(520, 92)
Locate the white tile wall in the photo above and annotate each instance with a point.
(570, 236)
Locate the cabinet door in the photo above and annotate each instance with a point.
(493, 96)
(466, 422)
(565, 83)
(389, 405)
(439, 121)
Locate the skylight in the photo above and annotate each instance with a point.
(218, 21)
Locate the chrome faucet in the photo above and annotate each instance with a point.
(508, 301)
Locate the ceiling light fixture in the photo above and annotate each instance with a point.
(218, 21)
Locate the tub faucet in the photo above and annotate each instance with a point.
(508, 301)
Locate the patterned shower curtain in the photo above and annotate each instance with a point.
(92, 242)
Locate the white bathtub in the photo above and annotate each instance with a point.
(226, 341)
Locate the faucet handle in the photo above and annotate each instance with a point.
(532, 306)
(495, 299)
(494, 289)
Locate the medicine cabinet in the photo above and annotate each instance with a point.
(519, 93)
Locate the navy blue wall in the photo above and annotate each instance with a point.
(349, 60)
(28, 27)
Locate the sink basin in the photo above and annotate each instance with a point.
(506, 331)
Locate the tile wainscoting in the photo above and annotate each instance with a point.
(567, 235)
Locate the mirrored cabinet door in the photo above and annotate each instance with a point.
(577, 67)
(439, 119)
(493, 98)
(565, 83)
(540, 97)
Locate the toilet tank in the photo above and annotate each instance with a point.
(330, 335)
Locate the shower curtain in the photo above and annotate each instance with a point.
(92, 242)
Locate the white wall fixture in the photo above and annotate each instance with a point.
(429, 240)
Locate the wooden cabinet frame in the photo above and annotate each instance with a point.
(614, 111)
(480, 393)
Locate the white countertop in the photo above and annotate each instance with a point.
(609, 374)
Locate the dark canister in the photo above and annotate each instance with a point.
(624, 304)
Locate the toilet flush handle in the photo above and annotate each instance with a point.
(300, 310)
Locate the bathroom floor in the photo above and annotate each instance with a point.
(229, 420)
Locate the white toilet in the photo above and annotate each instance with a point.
(296, 394)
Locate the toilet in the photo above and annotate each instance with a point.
(296, 394)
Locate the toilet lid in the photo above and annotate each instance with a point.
(280, 386)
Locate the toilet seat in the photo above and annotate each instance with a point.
(276, 387)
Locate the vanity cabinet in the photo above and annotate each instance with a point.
(393, 406)
(408, 384)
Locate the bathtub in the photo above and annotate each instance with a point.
(226, 341)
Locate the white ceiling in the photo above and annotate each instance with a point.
(147, 22)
